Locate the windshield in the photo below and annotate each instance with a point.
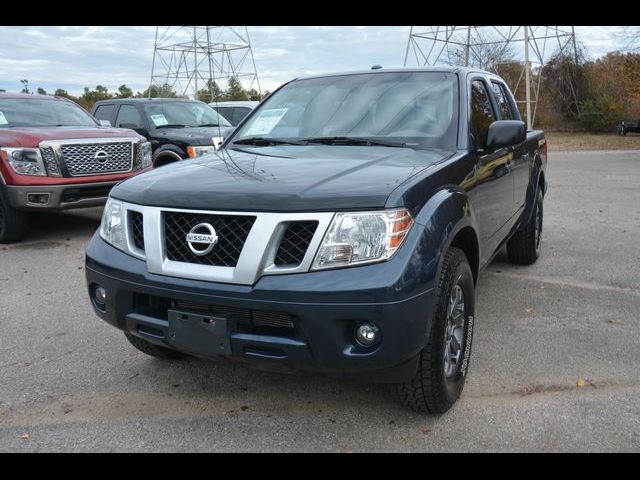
(42, 112)
(413, 109)
(183, 114)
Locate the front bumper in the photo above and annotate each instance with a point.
(58, 197)
(323, 308)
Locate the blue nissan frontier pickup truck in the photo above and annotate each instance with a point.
(340, 229)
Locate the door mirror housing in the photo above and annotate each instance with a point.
(505, 133)
(105, 123)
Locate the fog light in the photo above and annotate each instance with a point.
(38, 198)
(367, 334)
(100, 296)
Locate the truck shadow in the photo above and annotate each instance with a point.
(74, 224)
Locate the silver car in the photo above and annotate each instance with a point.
(234, 111)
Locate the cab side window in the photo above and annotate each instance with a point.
(129, 117)
(105, 112)
(226, 112)
(506, 112)
(481, 113)
(239, 113)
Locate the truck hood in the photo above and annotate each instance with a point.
(192, 135)
(32, 136)
(283, 178)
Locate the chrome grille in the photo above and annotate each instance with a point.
(49, 159)
(137, 229)
(232, 231)
(295, 242)
(80, 158)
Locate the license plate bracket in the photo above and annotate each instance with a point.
(199, 333)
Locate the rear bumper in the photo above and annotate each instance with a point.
(58, 197)
(323, 315)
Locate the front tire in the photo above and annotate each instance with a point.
(444, 361)
(523, 247)
(13, 223)
(152, 350)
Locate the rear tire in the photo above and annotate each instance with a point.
(14, 224)
(444, 360)
(154, 350)
(524, 246)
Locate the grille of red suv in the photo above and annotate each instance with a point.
(50, 160)
(232, 232)
(137, 231)
(97, 158)
(295, 242)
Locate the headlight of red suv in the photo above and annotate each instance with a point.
(25, 161)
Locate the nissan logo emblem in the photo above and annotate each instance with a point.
(101, 156)
(201, 239)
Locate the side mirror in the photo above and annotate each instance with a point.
(105, 123)
(217, 142)
(505, 133)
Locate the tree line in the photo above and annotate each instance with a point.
(575, 94)
(210, 93)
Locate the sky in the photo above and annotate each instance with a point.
(76, 57)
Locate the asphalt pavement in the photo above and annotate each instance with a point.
(555, 363)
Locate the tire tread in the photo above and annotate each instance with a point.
(521, 247)
(425, 392)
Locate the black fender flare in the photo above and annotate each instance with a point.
(442, 218)
(537, 172)
(169, 150)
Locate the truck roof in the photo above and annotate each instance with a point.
(145, 100)
(235, 103)
(445, 68)
(28, 95)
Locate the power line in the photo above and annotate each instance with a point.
(187, 57)
(531, 46)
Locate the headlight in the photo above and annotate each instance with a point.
(145, 151)
(194, 152)
(362, 237)
(112, 226)
(25, 161)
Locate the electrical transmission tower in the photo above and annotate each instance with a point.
(487, 47)
(185, 58)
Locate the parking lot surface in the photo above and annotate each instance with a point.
(555, 364)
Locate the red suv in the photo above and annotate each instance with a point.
(55, 156)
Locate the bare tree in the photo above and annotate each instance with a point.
(484, 52)
(630, 36)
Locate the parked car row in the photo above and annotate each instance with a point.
(176, 128)
(55, 156)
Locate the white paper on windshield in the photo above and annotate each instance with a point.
(3, 119)
(266, 121)
(159, 120)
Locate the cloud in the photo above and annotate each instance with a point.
(75, 57)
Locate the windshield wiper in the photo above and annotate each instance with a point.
(367, 142)
(210, 125)
(266, 141)
(171, 125)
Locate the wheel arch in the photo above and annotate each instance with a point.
(449, 220)
(536, 182)
(167, 154)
